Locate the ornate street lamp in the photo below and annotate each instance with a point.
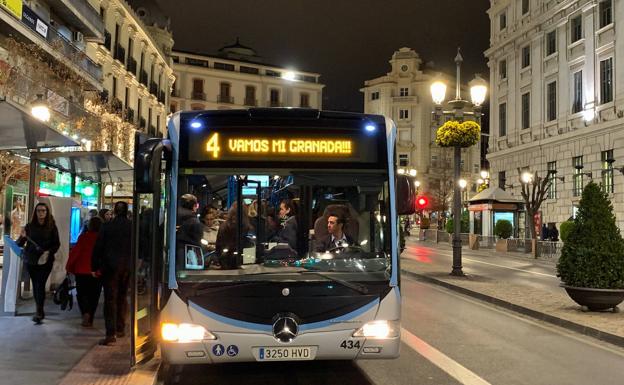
(478, 91)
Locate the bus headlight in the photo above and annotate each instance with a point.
(379, 330)
(171, 332)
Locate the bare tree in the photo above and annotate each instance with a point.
(534, 193)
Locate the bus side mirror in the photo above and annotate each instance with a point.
(405, 195)
(147, 164)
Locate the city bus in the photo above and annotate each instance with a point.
(257, 287)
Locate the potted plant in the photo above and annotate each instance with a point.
(503, 230)
(591, 266)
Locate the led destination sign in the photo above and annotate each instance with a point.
(299, 145)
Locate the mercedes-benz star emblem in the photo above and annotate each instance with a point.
(285, 329)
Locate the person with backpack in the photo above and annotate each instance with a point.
(41, 238)
(88, 287)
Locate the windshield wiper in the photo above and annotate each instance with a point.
(351, 285)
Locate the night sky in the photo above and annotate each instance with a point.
(346, 41)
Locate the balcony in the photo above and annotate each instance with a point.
(131, 65)
(107, 40)
(162, 97)
(129, 115)
(251, 102)
(225, 99)
(198, 95)
(74, 54)
(80, 14)
(120, 53)
(116, 106)
(143, 78)
(153, 89)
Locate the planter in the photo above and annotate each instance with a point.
(502, 246)
(595, 299)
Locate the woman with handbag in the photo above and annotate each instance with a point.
(79, 264)
(41, 238)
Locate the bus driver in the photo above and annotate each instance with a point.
(336, 237)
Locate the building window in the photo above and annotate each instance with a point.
(577, 178)
(551, 101)
(502, 20)
(607, 170)
(525, 7)
(249, 70)
(273, 73)
(502, 69)
(577, 96)
(552, 177)
(606, 13)
(551, 42)
(606, 80)
(304, 100)
(274, 97)
(576, 29)
(375, 95)
(114, 89)
(198, 89)
(250, 96)
(224, 89)
(526, 56)
(224, 66)
(403, 114)
(502, 119)
(403, 160)
(502, 179)
(526, 110)
(403, 91)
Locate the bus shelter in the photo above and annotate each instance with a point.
(490, 206)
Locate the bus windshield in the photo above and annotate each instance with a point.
(277, 225)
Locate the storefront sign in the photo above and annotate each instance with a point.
(30, 18)
(13, 6)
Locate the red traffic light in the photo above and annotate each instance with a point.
(421, 203)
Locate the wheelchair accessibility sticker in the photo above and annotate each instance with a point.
(232, 350)
(218, 350)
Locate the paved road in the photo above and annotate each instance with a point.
(448, 339)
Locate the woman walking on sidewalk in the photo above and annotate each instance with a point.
(42, 241)
(79, 264)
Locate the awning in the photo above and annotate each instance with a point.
(19, 130)
(98, 166)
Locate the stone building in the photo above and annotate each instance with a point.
(557, 98)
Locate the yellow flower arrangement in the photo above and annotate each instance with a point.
(456, 134)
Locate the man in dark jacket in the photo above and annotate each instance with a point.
(112, 260)
(336, 236)
(189, 229)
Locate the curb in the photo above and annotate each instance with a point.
(573, 326)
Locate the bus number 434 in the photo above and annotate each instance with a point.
(350, 344)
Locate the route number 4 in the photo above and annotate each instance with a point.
(213, 145)
(350, 344)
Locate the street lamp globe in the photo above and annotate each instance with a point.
(40, 109)
(412, 172)
(526, 177)
(401, 171)
(462, 183)
(478, 90)
(438, 92)
(485, 174)
(480, 181)
(417, 183)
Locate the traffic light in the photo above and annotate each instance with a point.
(421, 203)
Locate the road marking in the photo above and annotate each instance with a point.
(442, 361)
(511, 268)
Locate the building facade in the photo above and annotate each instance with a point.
(557, 98)
(135, 56)
(236, 77)
(404, 95)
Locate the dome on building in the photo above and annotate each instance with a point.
(150, 13)
(237, 51)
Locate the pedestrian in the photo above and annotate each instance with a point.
(553, 233)
(105, 215)
(41, 238)
(79, 264)
(544, 232)
(112, 260)
(85, 225)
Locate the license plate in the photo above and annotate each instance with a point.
(285, 353)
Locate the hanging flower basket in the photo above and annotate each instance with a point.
(456, 134)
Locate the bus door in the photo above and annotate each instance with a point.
(149, 249)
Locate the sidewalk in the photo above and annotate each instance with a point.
(60, 351)
(550, 304)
